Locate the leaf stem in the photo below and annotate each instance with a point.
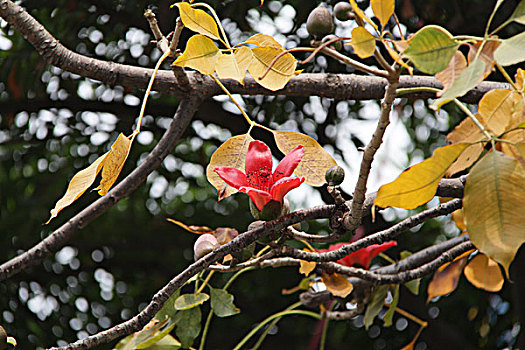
(357, 65)
(474, 119)
(506, 75)
(233, 99)
(148, 90)
(209, 8)
(236, 275)
(205, 282)
(288, 311)
(205, 330)
(405, 91)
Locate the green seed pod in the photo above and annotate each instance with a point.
(335, 176)
(338, 45)
(319, 22)
(271, 211)
(245, 254)
(343, 11)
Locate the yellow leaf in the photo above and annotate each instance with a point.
(446, 278)
(520, 79)
(513, 150)
(78, 185)
(486, 54)
(494, 204)
(230, 153)
(417, 185)
(363, 42)
(431, 49)
(114, 163)
(383, 9)
(361, 14)
(198, 20)
(337, 284)
(466, 131)
(484, 273)
(263, 40)
(316, 159)
(307, 267)
(234, 66)
(457, 64)
(200, 54)
(280, 72)
(499, 108)
(193, 229)
(459, 218)
(400, 46)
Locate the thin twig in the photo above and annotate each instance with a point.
(356, 64)
(162, 42)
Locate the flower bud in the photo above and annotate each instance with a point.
(335, 176)
(204, 244)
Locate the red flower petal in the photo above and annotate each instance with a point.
(364, 256)
(232, 176)
(287, 166)
(283, 186)
(258, 166)
(259, 198)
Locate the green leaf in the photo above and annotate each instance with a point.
(392, 309)
(201, 54)
(198, 20)
(465, 82)
(412, 286)
(511, 51)
(431, 49)
(188, 301)
(222, 303)
(417, 185)
(168, 309)
(519, 13)
(494, 205)
(375, 305)
(150, 331)
(166, 343)
(189, 326)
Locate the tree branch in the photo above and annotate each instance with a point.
(337, 86)
(376, 238)
(352, 221)
(60, 236)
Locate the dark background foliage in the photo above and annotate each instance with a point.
(53, 123)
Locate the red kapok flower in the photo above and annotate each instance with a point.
(259, 183)
(363, 256)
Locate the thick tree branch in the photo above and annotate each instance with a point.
(337, 86)
(376, 238)
(59, 237)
